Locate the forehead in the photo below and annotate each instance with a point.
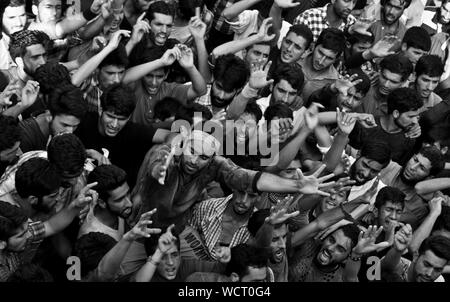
(280, 232)
(113, 115)
(396, 205)
(119, 192)
(399, 3)
(424, 161)
(50, 2)
(161, 18)
(341, 239)
(297, 39)
(246, 116)
(387, 74)
(283, 84)
(156, 73)
(434, 260)
(373, 164)
(113, 68)
(327, 52)
(67, 119)
(34, 50)
(425, 77)
(14, 11)
(261, 48)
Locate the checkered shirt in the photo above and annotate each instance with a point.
(219, 21)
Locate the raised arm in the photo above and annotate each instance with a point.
(95, 27)
(234, 10)
(402, 239)
(432, 185)
(276, 14)
(139, 30)
(197, 29)
(186, 60)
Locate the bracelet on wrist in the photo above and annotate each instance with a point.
(150, 260)
(354, 257)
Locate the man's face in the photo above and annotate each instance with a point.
(428, 267)
(323, 58)
(161, 27)
(49, 11)
(111, 124)
(417, 168)
(413, 54)
(292, 48)
(426, 84)
(142, 5)
(335, 249)
(119, 201)
(194, 159)
(291, 171)
(393, 10)
(284, 93)
(389, 213)
(388, 81)
(14, 19)
(243, 202)
(11, 154)
(255, 274)
(245, 127)
(276, 134)
(63, 123)
(364, 169)
(360, 47)
(259, 53)
(35, 57)
(17, 242)
(110, 75)
(332, 201)
(445, 13)
(343, 8)
(170, 263)
(46, 204)
(406, 120)
(278, 244)
(220, 98)
(350, 101)
(154, 79)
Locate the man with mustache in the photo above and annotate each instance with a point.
(436, 19)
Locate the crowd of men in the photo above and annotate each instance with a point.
(225, 140)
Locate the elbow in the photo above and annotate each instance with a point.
(420, 188)
(202, 90)
(227, 15)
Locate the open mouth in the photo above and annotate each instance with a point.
(324, 256)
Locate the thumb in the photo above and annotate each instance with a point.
(382, 245)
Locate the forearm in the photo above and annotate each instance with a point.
(130, 46)
(92, 29)
(432, 185)
(15, 110)
(422, 232)
(145, 274)
(202, 57)
(391, 260)
(237, 106)
(323, 136)
(333, 157)
(138, 72)
(89, 67)
(277, 20)
(198, 83)
(234, 46)
(351, 270)
(328, 117)
(69, 25)
(234, 10)
(110, 263)
(60, 220)
(263, 237)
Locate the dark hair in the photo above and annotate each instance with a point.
(67, 153)
(435, 157)
(243, 256)
(377, 150)
(187, 113)
(37, 177)
(91, 248)
(51, 75)
(360, 38)
(439, 245)
(360, 4)
(280, 110)
(108, 178)
(417, 37)
(397, 63)
(292, 73)
(30, 272)
(118, 57)
(430, 65)
(13, 3)
(443, 221)
(364, 86)
(151, 243)
(391, 194)
(186, 8)
(118, 99)
(11, 218)
(9, 132)
(403, 100)
(67, 99)
(332, 39)
(351, 231)
(159, 7)
(166, 108)
(406, 2)
(22, 39)
(231, 72)
(253, 109)
(267, 43)
(303, 31)
(257, 219)
(152, 54)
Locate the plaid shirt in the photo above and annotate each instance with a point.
(92, 93)
(207, 218)
(316, 20)
(219, 21)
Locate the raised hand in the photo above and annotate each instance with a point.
(197, 28)
(414, 132)
(258, 76)
(165, 240)
(140, 29)
(116, 37)
(106, 10)
(366, 120)
(97, 156)
(383, 47)
(367, 196)
(98, 43)
(343, 84)
(263, 33)
(403, 237)
(279, 213)
(85, 197)
(362, 25)
(366, 241)
(160, 172)
(345, 121)
(141, 229)
(435, 205)
(187, 57)
(5, 96)
(286, 3)
(170, 56)
(312, 116)
(30, 93)
(341, 185)
(311, 184)
(219, 115)
(96, 5)
(222, 253)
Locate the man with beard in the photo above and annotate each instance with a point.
(437, 20)
(132, 10)
(113, 205)
(411, 180)
(415, 44)
(333, 15)
(9, 142)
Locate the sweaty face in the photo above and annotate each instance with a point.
(14, 19)
(161, 27)
(426, 84)
(153, 80)
(428, 267)
(417, 168)
(335, 199)
(335, 249)
(283, 92)
(388, 81)
(259, 53)
(389, 212)
(243, 202)
(407, 120)
(111, 124)
(64, 123)
(393, 10)
(323, 58)
(119, 201)
(445, 13)
(278, 244)
(170, 263)
(413, 54)
(343, 8)
(193, 159)
(35, 57)
(110, 75)
(292, 48)
(245, 127)
(350, 101)
(11, 154)
(364, 169)
(219, 97)
(18, 241)
(49, 11)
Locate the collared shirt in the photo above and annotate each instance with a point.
(93, 224)
(207, 217)
(316, 20)
(92, 93)
(374, 103)
(6, 61)
(432, 101)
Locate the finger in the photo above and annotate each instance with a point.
(170, 228)
(382, 245)
(325, 178)
(319, 171)
(153, 231)
(293, 214)
(322, 193)
(141, 17)
(88, 187)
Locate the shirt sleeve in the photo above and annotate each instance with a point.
(234, 176)
(37, 230)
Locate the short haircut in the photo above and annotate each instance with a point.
(303, 31)
(406, 2)
(152, 54)
(417, 37)
(443, 221)
(22, 39)
(439, 245)
(30, 272)
(257, 220)
(159, 7)
(10, 132)
(391, 194)
(108, 178)
(351, 231)
(267, 43)
(11, 218)
(118, 57)
(166, 108)
(243, 256)
(292, 73)
(187, 113)
(280, 110)
(253, 109)
(14, 3)
(231, 72)
(360, 38)
(435, 157)
(364, 86)
(332, 39)
(51, 75)
(397, 63)
(403, 100)
(68, 100)
(377, 150)
(67, 153)
(118, 99)
(430, 65)
(37, 177)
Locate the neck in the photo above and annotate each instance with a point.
(332, 17)
(23, 76)
(106, 217)
(388, 124)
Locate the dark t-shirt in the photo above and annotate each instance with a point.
(127, 149)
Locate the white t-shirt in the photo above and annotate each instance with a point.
(92, 224)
